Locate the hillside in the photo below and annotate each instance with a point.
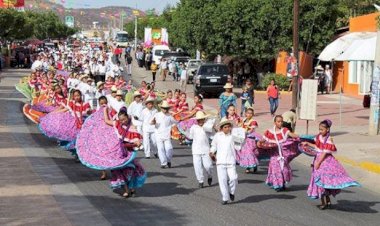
(85, 17)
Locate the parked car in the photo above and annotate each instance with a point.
(192, 67)
(210, 78)
(182, 59)
(172, 54)
(158, 52)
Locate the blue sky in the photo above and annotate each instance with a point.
(141, 4)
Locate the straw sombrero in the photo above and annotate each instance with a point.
(228, 86)
(200, 115)
(150, 99)
(165, 104)
(136, 93)
(99, 84)
(119, 93)
(225, 121)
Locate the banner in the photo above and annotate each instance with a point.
(164, 37)
(148, 37)
(12, 3)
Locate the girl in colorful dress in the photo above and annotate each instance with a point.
(143, 90)
(226, 99)
(106, 144)
(328, 176)
(178, 113)
(232, 115)
(65, 123)
(109, 83)
(188, 120)
(247, 156)
(279, 171)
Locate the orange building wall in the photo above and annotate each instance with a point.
(341, 71)
(366, 23)
(305, 67)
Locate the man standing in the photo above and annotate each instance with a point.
(101, 72)
(183, 78)
(128, 60)
(223, 152)
(135, 109)
(149, 139)
(200, 149)
(163, 122)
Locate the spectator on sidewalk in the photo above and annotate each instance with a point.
(226, 99)
(128, 61)
(153, 68)
(164, 69)
(273, 95)
(148, 59)
(183, 78)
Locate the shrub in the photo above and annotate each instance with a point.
(281, 81)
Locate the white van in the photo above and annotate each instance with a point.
(157, 53)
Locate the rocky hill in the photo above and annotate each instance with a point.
(84, 17)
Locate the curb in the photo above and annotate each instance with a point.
(364, 165)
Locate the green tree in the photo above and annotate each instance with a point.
(14, 25)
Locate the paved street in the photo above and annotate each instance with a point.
(40, 184)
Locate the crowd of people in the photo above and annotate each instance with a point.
(106, 123)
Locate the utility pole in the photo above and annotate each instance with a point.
(295, 78)
(374, 118)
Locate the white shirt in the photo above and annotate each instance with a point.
(164, 123)
(135, 109)
(223, 145)
(117, 105)
(101, 69)
(200, 139)
(72, 83)
(183, 74)
(146, 117)
(36, 64)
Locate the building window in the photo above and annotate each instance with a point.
(353, 72)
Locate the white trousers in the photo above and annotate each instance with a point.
(228, 179)
(149, 142)
(129, 69)
(183, 83)
(202, 161)
(165, 151)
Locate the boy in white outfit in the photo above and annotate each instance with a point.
(223, 152)
(149, 139)
(135, 109)
(163, 122)
(200, 149)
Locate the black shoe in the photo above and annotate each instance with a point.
(209, 181)
(132, 194)
(147, 157)
(169, 164)
(224, 202)
(232, 197)
(200, 185)
(156, 156)
(255, 169)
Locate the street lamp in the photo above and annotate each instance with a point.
(295, 78)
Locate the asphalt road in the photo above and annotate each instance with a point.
(170, 196)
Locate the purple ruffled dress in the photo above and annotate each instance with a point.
(59, 125)
(98, 145)
(331, 177)
(247, 156)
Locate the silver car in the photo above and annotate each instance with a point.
(192, 67)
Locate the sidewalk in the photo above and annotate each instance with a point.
(359, 153)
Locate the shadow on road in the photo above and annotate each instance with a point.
(164, 189)
(260, 198)
(355, 206)
(167, 174)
